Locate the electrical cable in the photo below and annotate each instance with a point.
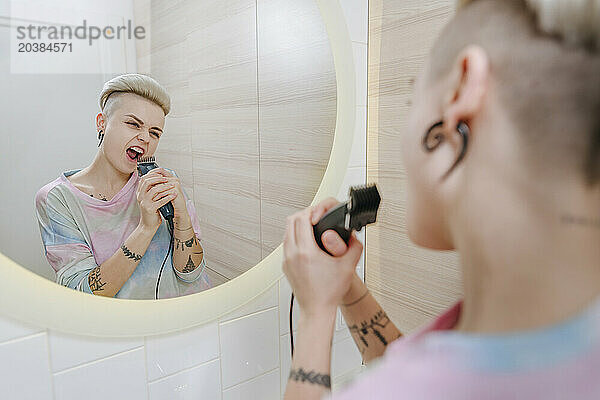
(170, 227)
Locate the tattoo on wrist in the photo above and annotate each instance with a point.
(357, 300)
(188, 243)
(130, 254)
(379, 321)
(310, 377)
(94, 280)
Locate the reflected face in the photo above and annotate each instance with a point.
(425, 214)
(131, 120)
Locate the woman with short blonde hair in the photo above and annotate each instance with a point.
(100, 225)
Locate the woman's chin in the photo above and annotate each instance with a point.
(426, 237)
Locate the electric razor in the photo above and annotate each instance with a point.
(145, 165)
(360, 210)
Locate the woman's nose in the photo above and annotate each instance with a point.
(144, 136)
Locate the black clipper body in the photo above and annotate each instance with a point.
(358, 211)
(145, 165)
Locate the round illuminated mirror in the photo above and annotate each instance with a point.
(259, 126)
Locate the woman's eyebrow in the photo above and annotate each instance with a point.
(142, 122)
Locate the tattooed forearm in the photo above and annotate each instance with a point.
(311, 377)
(130, 254)
(590, 222)
(94, 280)
(379, 321)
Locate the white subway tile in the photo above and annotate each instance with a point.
(67, 351)
(174, 352)
(12, 329)
(285, 360)
(341, 331)
(345, 357)
(357, 19)
(249, 346)
(201, 382)
(264, 301)
(265, 387)
(360, 69)
(285, 293)
(340, 382)
(117, 377)
(25, 369)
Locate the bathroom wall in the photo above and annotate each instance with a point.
(244, 355)
(254, 108)
(412, 284)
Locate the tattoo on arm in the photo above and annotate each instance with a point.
(189, 267)
(379, 321)
(310, 377)
(94, 280)
(189, 243)
(130, 254)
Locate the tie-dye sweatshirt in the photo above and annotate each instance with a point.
(80, 232)
(561, 361)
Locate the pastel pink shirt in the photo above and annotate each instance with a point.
(80, 232)
(561, 361)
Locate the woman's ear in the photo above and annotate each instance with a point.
(100, 121)
(468, 86)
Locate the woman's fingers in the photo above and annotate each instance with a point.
(160, 188)
(304, 230)
(322, 208)
(151, 180)
(355, 248)
(333, 243)
(289, 237)
(169, 197)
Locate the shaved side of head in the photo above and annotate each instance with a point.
(549, 89)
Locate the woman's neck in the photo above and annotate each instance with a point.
(528, 260)
(104, 174)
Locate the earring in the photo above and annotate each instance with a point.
(429, 145)
(100, 136)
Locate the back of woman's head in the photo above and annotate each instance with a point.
(507, 111)
(544, 57)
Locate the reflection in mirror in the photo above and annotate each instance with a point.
(235, 99)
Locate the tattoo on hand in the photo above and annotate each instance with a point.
(379, 321)
(130, 254)
(189, 243)
(189, 267)
(311, 377)
(94, 280)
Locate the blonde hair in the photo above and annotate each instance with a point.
(142, 85)
(576, 21)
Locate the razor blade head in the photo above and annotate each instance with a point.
(363, 205)
(146, 159)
